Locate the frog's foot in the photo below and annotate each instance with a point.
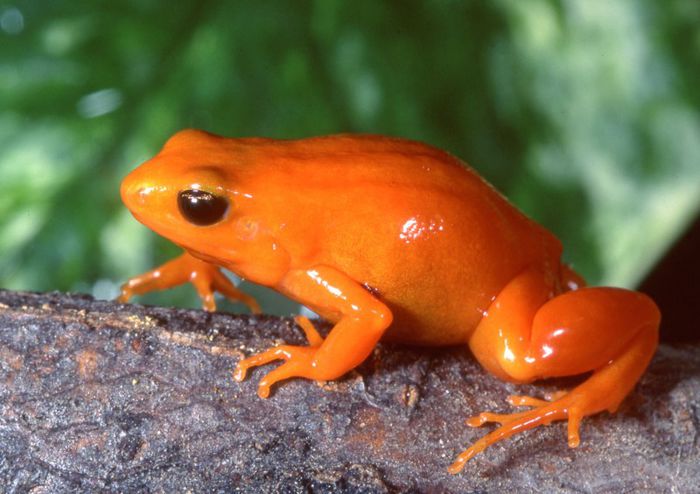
(210, 280)
(299, 360)
(530, 335)
(564, 406)
(207, 279)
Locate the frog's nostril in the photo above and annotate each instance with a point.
(133, 191)
(136, 195)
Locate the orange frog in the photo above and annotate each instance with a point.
(392, 240)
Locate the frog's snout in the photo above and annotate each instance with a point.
(135, 191)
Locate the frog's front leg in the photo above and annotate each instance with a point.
(527, 335)
(361, 320)
(207, 279)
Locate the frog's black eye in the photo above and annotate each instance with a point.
(200, 207)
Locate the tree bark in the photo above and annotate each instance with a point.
(99, 396)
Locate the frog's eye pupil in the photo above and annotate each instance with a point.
(200, 207)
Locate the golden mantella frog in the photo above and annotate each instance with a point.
(391, 240)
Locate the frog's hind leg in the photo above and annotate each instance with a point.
(612, 332)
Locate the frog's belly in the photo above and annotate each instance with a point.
(432, 325)
(443, 303)
(436, 309)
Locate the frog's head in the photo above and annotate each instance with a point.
(189, 194)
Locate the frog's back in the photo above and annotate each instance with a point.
(363, 159)
(412, 222)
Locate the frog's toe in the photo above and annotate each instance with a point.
(299, 363)
(223, 285)
(289, 369)
(517, 401)
(542, 413)
(312, 336)
(490, 417)
(124, 295)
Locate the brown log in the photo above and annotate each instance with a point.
(98, 396)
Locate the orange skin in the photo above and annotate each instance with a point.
(392, 240)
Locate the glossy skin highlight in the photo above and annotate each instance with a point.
(392, 240)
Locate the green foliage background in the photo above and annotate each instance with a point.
(583, 112)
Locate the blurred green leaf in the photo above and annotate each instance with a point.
(583, 112)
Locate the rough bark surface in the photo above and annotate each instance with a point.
(98, 396)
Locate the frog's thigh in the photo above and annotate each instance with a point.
(501, 340)
(361, 318)
(590, 328)
(575, 332)
(610, 331)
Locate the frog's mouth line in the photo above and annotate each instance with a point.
(156, 227)
(162, 228)
(166, 231)
(200, 255)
